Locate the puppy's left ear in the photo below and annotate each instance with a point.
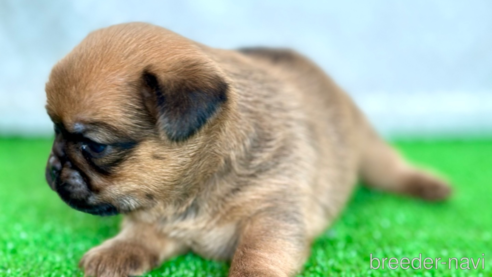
(183, 100)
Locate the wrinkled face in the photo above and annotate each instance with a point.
(129, 134)
(109, 156)
(83, 163)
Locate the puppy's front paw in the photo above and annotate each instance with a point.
(118, 258)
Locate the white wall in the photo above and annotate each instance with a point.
(416, 67)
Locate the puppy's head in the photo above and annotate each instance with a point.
(136, 111)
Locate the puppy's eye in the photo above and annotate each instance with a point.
(97, 148)
(94, 148)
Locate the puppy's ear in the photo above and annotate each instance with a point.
(182, 101)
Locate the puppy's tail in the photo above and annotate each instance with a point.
(383, 168)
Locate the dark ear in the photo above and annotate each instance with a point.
(183, 103)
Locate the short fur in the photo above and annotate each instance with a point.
(236, 155)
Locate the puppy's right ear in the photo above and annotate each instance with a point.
(183, 101)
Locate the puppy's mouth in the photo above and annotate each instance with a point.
(104, 209)
(100, 209)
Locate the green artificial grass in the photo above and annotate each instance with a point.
(41, 236)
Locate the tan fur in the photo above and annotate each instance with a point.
(266, 174)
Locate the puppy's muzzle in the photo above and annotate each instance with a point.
(73, 188)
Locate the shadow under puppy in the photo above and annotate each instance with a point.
(244, 155)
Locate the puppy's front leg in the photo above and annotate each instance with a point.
(271, 244)
(138, 248)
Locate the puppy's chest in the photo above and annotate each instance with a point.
(204, 237)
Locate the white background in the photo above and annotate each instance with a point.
(416, 67)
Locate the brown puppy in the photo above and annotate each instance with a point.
(245, 155)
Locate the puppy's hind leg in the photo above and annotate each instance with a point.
(383, 168)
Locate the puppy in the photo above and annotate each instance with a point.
(236, 155)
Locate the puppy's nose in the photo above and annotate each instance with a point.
(55, 163)
(53, 169)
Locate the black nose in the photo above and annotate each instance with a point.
(53, 169)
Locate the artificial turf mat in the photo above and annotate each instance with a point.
(41, 236)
